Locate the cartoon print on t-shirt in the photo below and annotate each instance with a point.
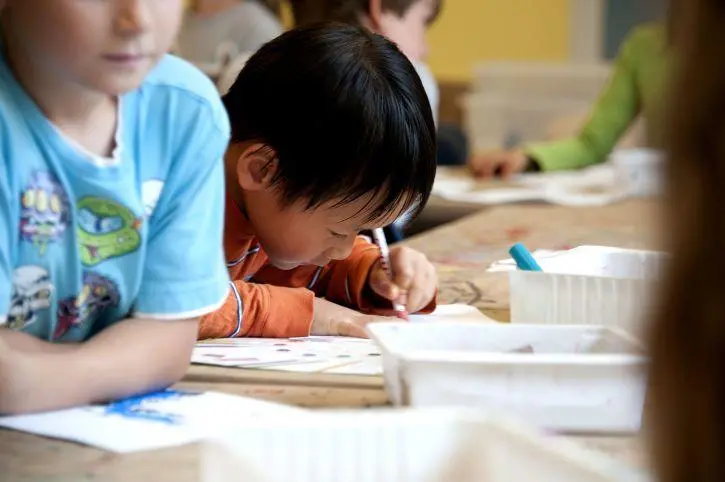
(106, 229)
(32, 292)
(150, 194)
(97, 294)
(44, 210)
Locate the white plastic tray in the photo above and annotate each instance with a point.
(401, 446)
(578, 378)
(589, 285)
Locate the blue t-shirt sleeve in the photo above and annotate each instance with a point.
(185, 274)
(5, 240)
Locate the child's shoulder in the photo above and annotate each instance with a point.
(175, 78)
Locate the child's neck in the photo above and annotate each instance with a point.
(211, 7)
(86, 116)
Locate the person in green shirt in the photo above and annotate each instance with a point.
(635, 87)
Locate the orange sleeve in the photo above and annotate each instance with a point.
(256, 310)
(348, 281)
(344, 282)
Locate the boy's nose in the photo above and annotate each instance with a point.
(341, 251)
(133, 17)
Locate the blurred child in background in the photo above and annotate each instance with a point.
(635, 87)
(215, 32)
(406, 23)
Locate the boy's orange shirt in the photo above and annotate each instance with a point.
(272, 303)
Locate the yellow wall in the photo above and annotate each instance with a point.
(472, 30)
(468, 31)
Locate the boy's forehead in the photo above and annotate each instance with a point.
(357, 213)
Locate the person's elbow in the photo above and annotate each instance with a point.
(179, 354)
(151, 364)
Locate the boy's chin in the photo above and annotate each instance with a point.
(290, 265)
(285, 265)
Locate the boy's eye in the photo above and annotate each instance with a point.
(338, 235)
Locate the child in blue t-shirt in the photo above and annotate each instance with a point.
(111, 201)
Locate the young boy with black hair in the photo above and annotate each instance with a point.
(405, 22)
(332, 134)
(111, 201)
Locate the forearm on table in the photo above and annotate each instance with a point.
(130, 357)
(22, 342)
(260, 310)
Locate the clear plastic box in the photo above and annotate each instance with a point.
(577, 379)
(589, 285)
(401, 446)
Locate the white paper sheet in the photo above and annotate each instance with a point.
(594, 186)
(164, 419)
(314, 354)
(455, 312)
(308, 354)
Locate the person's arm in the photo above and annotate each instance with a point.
(260, 310)
(130, 357)
(6, 241)
(184, 278)
(615, 110)
(345, 282)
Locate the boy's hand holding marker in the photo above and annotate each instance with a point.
(402, 275)
(414, 285)
(414, 280)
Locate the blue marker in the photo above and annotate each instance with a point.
(523, 258)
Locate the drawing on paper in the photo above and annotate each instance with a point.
(145, 407)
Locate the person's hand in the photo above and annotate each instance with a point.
(415, 279)
(335, 320)
(498, 163)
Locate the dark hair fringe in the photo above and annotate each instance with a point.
(345, 114)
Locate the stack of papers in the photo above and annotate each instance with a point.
(593, 186)
(314, 354)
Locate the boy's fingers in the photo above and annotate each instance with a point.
(423, 290)
(485, 165)
(356, 326)
(418, 298)
(415, 300)
(404, 263)
(506, 171)
(350, 328)
(403, 279)
(381, 284)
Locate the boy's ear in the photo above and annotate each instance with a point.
(256, 167)
(375, 14)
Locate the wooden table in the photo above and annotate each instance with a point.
(461, 250)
